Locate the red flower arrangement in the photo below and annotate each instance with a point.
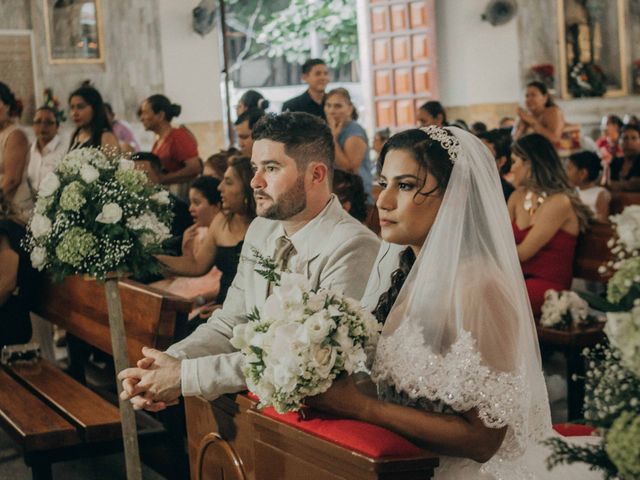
(543, 73)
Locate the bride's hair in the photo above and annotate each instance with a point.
(432, 158)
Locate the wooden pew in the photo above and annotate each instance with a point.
(230, 440)
(52, 417)
(620, 200)
(592, 252)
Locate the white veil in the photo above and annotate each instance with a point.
(461, 330)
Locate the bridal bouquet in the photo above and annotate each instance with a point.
(97, 214)
(301, 340)
(612, 383)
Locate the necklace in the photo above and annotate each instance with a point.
(531, 205)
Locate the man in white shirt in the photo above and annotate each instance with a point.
(293, 159)
(47, 151)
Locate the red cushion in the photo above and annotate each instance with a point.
(361, 437)
(573, 429)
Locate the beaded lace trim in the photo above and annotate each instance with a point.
(460, 380)
(448, 141)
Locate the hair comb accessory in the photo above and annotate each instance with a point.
(448, 141)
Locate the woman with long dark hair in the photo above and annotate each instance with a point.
(223, 241)
(547, 216)
(92, 125)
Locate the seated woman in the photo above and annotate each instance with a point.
(609, 143)
(542, 115)
(583, 170)
(17, 280)
(222, 243)
(432, 113)
(204, 204)
(89, 115)
(625, 170)
(350, 191)
(547, 216)
(457, 366)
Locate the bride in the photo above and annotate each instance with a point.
(457, 367)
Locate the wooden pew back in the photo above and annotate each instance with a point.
(620, 200)
(79, 306)
(592, 252)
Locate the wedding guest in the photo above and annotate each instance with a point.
(316, 75)
(507, 122)
(225, 234)
(625, 170)
(217, 164)
(380, 138)
(547, 216)
(350, 139)
(541, 116)
(499, 143)
(583, 170)
(349, 189)
(243, 126)
(300, 224)
(251, 100)
(92, 125)
(432, 113)
(14, 154)
(122, 130)
(47, 150)
(478, 128)
(176, 147)
(17, 283)
(609, 143)
(630, 119)
(457, 367)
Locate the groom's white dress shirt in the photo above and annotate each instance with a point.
(333, 250)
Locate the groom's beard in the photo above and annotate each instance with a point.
(290, 203)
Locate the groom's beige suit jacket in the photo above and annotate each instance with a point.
(333, 250)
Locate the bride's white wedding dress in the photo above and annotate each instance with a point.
(460, 334)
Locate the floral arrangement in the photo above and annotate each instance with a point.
(96, 214)
(612, 383)
(561, 310)
(587, 80)
(543, 73)
(301, 341)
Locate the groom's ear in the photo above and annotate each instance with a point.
(319, 172)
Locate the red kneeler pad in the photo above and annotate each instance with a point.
(361, 437)
(573, 429)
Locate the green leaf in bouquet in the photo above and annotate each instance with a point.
(600, 303)
(254, 315)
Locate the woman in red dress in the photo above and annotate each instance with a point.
(176, 148)
(547, 216)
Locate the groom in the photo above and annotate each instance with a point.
(301, 224)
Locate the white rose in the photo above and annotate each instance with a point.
(124, 164)
(342, 337)
(623, 330)
(111, 213)
(38, 257)
(40, 225)
(318, 326)
(89, 173)
(49, 184)
(242, 335)
(323, 360)
(161, 197)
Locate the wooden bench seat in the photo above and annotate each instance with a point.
(51, 416)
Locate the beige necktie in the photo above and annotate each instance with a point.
(284, 251)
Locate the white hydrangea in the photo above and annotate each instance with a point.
(89, 173)
(153, 231)
(623, 330)
(628, 227)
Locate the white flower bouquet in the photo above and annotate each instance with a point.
(301, 341)
(95, 215)
(562, 309)
(612, 383)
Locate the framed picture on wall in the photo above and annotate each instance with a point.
(593, 50)
(74, 31)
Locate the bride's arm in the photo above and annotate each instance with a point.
(462, 435)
